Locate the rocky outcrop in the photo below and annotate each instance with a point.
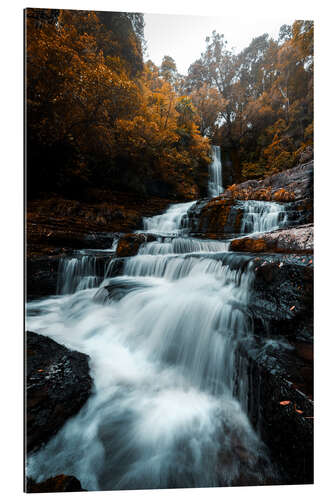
(56, 223)
(129, 244)
(222, 216)
(215, 218)
(281, 297)
(57, 484)
(276, 362)
(298, 239)
(283, 415)
(290, 185)
(57, 386)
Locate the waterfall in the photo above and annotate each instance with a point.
(162, 337)
(172, 222)
(262, 216)
(77, 273)
(215, 173)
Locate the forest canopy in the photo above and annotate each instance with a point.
(258, 104)
(98, 116)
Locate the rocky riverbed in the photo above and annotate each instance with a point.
(276, 363)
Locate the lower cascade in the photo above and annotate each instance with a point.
(169, 407)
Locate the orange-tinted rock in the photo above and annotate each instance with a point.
(249, 245)
(129, 244)
(293, 240)
(293, 184)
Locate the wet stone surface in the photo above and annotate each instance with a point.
(57, 386)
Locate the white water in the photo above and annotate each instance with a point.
(162, 339)
(215, 173)
(172, 222)
(262, 216)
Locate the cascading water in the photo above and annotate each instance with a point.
(162, 340)
(77, 273)
(172, 222)
(261, 216)
(215, 173)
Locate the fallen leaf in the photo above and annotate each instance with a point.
(298, 411)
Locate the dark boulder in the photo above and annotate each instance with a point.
(57, 386)
(281, 297)
(282, 414)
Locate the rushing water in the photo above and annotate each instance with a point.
(261, 216)
(215, 173)
(162, 339)
(172, 222)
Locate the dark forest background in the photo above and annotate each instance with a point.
(99, 117)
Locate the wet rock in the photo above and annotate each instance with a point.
(57, 484)
(218, 216)
(129, 244)
(292, 240)
(283, 415)
(57, 386)
(281, 298)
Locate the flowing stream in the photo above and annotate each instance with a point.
(169, 406)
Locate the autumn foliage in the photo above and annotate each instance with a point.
(258, 105)
(97, 116)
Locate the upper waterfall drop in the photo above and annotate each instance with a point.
(215, 173)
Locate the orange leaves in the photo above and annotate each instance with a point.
(287, 403)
